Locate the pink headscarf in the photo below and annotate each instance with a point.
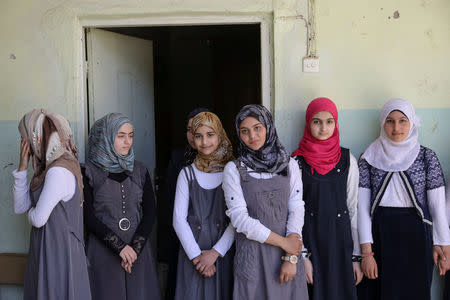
(322, 156)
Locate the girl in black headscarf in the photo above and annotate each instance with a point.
(263, 193)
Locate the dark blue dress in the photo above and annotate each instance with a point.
(327, 230)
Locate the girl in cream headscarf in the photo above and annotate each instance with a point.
(56, 263)
(401, 194)
(199, 220)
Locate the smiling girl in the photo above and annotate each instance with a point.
(401, 194)
(263, 192)
(330, 185)
(199, 220)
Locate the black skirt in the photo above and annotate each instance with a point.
(447, 286)
(403, 252)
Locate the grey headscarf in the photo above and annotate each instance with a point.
(272, 157)
(101, 150)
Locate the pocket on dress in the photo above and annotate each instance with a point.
(271, 207)
(245, 264)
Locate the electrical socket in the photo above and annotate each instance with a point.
(311, 64)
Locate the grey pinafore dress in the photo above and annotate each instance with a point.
(257, 266)
(56, 264)
(108, 279)
(207, 220)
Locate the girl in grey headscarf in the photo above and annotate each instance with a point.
(263, 193)
(119, 214)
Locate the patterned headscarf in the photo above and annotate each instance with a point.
(101, 150)
(387, 155)
(216, 161)
(272, 157)
(189, 152)
(322, 156)
(61, 150)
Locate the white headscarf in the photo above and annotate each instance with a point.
(391, 156)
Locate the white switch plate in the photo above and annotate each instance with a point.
(310, 64)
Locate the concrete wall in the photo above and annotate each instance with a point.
(366, 57)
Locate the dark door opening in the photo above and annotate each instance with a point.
(212, 66)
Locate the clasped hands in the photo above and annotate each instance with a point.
(204, 263)
(441, 258)
(128, 256)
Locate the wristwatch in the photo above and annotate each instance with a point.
(293, 259)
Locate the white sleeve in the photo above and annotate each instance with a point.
(226, 240)
(364, 220)
(352, 202)
(21, 192)
(59, 185)
(296, 205)
(237, 207)
(447, 202)
(436, 204)
(180, 213)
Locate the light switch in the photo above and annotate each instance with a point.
(310, 64)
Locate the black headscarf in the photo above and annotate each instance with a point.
(189, 152)
(272, 157)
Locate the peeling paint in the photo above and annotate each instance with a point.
(425, 3)
(434, 126)
(430, 35)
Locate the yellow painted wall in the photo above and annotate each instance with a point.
(366, 57)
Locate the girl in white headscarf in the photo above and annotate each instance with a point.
(401, 194)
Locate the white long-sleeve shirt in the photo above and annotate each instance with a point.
(180, 212)
(447, 201)
(397, 196)
(59, 185)
(352, 202)
(237, 207)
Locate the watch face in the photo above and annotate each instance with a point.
(293, 259)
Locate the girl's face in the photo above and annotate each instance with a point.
(206, 140)
(322, 125)
(396, 126)
(124, 139)
(189, 135)
(252, 133)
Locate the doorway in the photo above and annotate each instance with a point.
(214, 66)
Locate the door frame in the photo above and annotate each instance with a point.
(266, 33)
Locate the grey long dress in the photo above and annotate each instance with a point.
(56, 265)
(108, 279)
(207, 219)
(257, 266)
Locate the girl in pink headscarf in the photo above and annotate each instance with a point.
(330, 184)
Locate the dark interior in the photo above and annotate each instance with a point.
(214, 66)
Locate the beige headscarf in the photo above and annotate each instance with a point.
(61, 150)
(216, 161)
